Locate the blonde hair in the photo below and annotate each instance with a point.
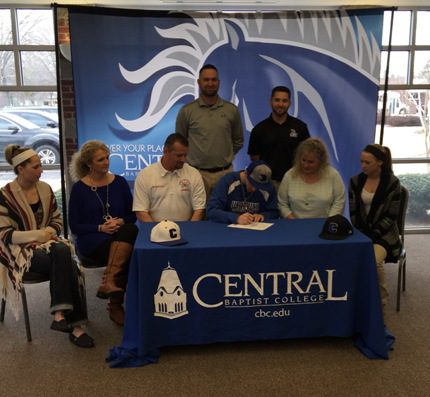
(81, 160)
(315, 146)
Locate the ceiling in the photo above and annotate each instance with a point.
(259, 5)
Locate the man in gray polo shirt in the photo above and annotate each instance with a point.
(213, 128)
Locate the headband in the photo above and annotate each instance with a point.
(25, 155)
(379, 154)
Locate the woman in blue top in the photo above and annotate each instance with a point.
(102, 220)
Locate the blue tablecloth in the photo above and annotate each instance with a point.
(229, 284)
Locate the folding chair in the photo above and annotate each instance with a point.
(88, 263)
(401, 278)
(28, 278)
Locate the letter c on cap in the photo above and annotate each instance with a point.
(173, 233)
(333, 227)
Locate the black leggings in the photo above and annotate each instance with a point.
(126, 233)
(66, 294)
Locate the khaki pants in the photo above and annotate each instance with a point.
(380, 255)
(210, 179)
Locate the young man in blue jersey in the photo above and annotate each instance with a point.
(244, 197)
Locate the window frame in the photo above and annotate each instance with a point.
(411, 48)
(17, 48)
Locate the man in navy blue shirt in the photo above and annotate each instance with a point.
(275, 139)
(244, 197)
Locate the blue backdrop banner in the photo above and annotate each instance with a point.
(133, 70)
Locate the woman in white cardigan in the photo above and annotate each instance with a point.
(312, 188)
(30, 227)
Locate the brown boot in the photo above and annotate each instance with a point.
(116, 310)
(119, 254)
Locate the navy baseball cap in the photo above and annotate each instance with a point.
(259, 174)
(336, 227)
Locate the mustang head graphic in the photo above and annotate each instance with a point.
(283, 50)
(330, 61)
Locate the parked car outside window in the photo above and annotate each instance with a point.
(17, 130)
(39, 117)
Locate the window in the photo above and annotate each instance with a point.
(407, 109)
(28, 78)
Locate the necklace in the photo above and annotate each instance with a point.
(107, 216)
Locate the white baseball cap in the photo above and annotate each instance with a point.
(167, 233)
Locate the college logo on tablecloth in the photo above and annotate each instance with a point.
(170, 300)
(272, 290)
